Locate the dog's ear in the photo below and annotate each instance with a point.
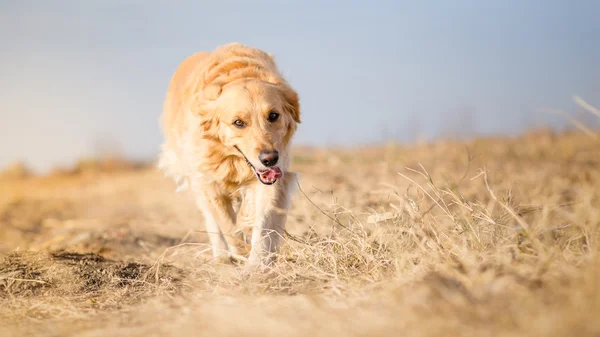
(209, 126)
(292, 102)
(200, 98)
(203, 109)
(212, 91)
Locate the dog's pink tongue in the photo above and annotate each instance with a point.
(272, 174)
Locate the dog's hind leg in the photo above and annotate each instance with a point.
(271, 206)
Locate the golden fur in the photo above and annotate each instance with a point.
(204, 150)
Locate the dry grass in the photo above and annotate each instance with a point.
(487, 237)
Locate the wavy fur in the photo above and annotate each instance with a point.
(207, 92)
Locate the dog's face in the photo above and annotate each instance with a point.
(257, 119)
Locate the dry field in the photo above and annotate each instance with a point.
(490, 237)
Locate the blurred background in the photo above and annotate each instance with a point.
(86, 78)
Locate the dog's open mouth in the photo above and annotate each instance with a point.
(268, 176)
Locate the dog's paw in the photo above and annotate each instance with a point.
(259, 267)
(237, 259)
(257, 271)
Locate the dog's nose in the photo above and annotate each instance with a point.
(268, 157)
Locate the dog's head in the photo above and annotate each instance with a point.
(256, 120)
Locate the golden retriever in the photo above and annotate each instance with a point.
(228, 120)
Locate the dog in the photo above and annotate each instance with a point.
(228, 120)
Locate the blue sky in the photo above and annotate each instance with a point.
(75, 74)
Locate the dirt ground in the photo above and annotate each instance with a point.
(489, 237)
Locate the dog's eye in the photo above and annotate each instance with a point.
(273, 116)
(239, 123)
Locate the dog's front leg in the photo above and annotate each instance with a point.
(271, 205)
(219, 216)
